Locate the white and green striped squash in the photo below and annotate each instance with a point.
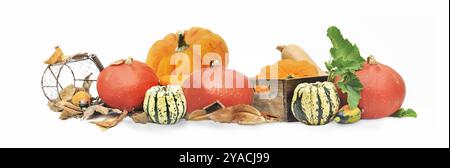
(165, 104)
(315, 103)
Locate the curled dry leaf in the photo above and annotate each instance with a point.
(116, 111)
(56, 57)
(270, 118)
(69, 113)
(247, 118)
(246, 108)
(140, 117)
(213, 107)
(247, 115)
(64, 115)
(202, 114)
(87, 82)
(72, 106)
(110, 122)
(241, 114)
(95, 108)
(225, 115)
(197, 115)
(79, 56)
(67, 93)
(69, 110)
(54, 107)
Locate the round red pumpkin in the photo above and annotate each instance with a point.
(208, 85)
(383, 90)
(123, 84)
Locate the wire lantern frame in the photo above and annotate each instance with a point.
(71, 71)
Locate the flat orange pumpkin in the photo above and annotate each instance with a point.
(160, 54)
(288, 68)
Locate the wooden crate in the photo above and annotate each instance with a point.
(278, 101)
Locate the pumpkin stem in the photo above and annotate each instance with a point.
(371, 60)
(129, 60)
(214, 63)
(182, 45)
(281, 48)
(290, 76)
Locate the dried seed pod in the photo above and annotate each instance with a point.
(67, 93)
(223, 115)
(197, 115)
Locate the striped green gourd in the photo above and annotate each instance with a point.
(165, 104)
(315, 103)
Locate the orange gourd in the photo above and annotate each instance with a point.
(160, 54)
(288, 68)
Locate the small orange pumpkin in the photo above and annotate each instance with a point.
(160, 54)
(288, 68)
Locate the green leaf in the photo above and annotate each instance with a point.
(345, 61)
(345, 55)
(350, 85)
(405, 113)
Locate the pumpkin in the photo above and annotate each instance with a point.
(347, 115)
(160, 54)
(383, 90)
(123, 84)
(217, 83)
(315, 103)
(296, 53)
(288, 68)
(165, 104)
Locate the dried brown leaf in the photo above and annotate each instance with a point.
(117, 111)
(69, 113)
(56, 57)
(140, 118)
(213, 107)
(270, 118)
(64, 115)
(223, 115)
(110, 122)
(67, 93)
(79, 56)
(246, 108)
(240, 114)
(54, 107)
(246, 118)
(197, 115)
(71, 106)
(95, 108)
(87, 82)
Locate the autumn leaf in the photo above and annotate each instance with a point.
(56, 57)
(67, 93)
(110, 122)
(95, 108)
(141, 117)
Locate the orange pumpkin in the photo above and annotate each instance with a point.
(288, 68)
(160, 54)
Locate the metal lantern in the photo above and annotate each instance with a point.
(74, 70)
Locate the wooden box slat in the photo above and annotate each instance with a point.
(280, 104)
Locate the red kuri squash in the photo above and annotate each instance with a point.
(123, 84)
(383, 90)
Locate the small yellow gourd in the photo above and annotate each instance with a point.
(81, 99)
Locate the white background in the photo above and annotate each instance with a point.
(411, 36)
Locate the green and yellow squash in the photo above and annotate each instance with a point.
(347, 115)
(165, 104)
(315, 103)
